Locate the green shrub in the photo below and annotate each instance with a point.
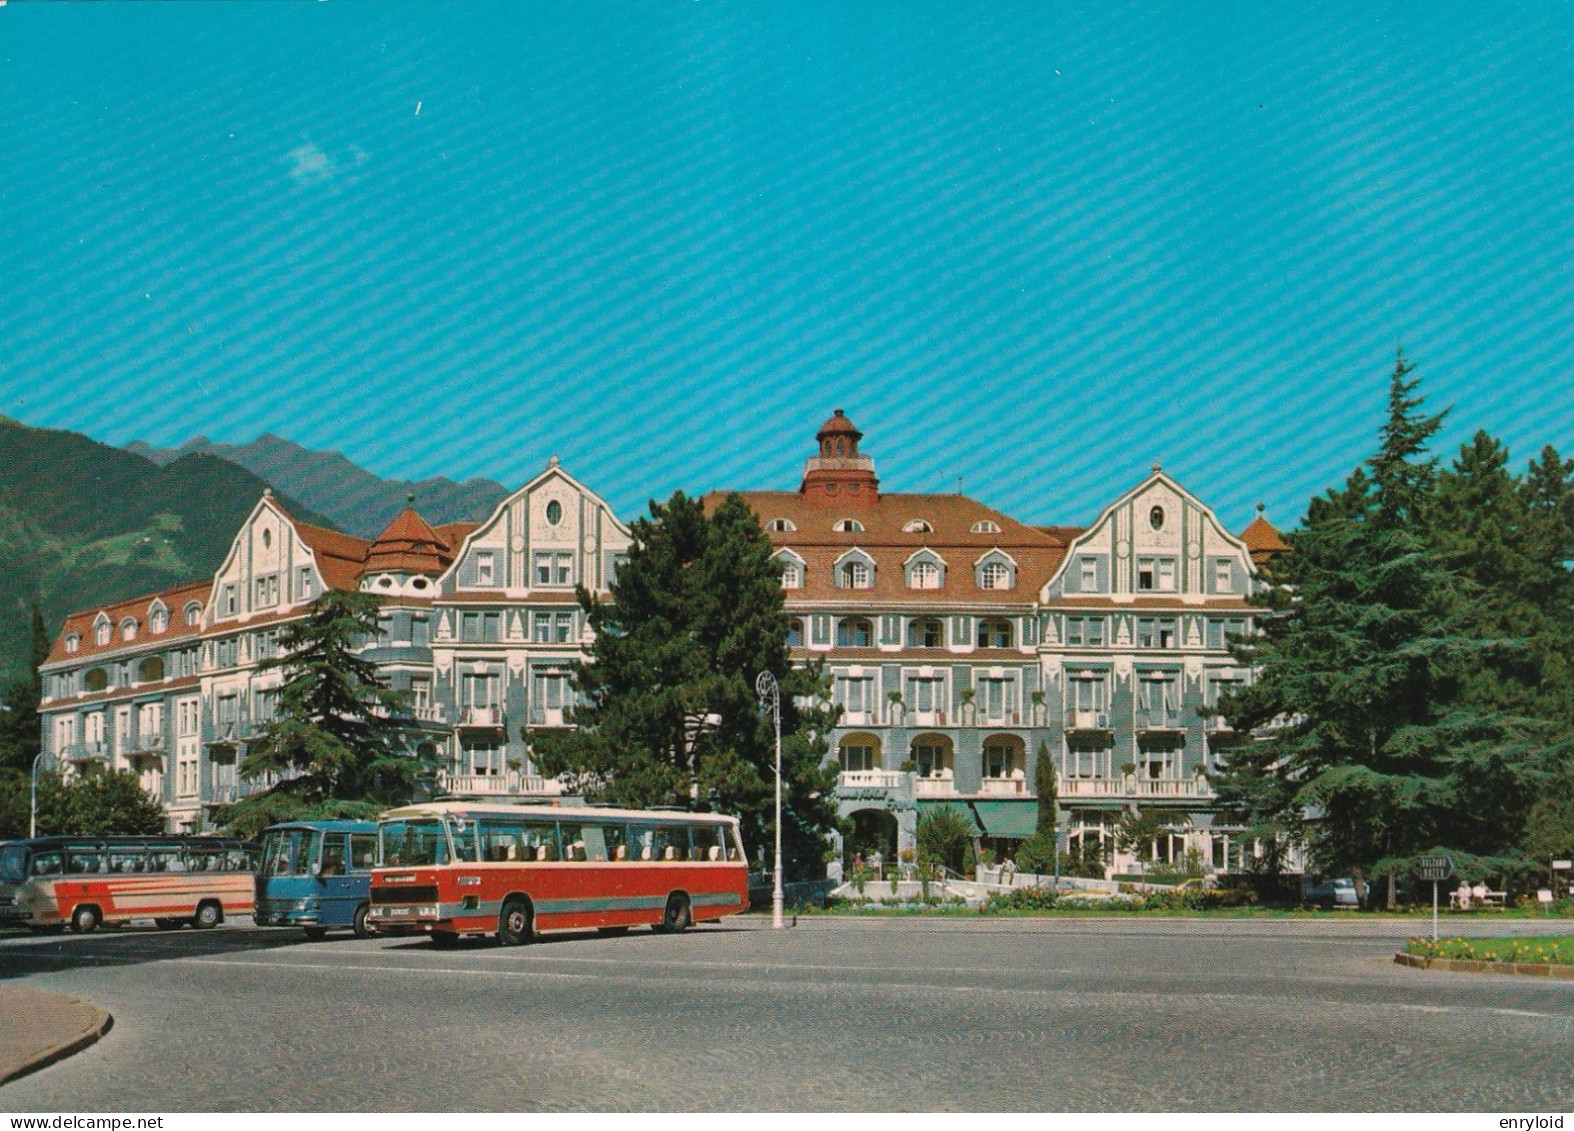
(1037, 854)
(1022, 899)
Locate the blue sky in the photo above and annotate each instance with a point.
(1034, 245)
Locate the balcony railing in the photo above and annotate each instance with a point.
(499, 785)
(228, 793)
(934, 787)
(86, 752)
(1004, 787)
(549, 717)
(481, 716)
(431, 713)
(871, 779)
(1087, 720)
(1160, 720)
(1134, 787)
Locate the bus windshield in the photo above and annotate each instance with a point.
(13, 864)
(406, 844)
(290, 852)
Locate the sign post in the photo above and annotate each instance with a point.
(1436, 869)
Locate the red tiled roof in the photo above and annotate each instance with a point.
(951, 519)
(81, 623)
(1263, 541)
(408, 545)
(339, 556)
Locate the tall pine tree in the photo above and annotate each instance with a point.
(668, 712)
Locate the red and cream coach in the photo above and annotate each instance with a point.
(83, 881)
(457, 868)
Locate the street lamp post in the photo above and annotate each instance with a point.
(770, 694)
(32, 819)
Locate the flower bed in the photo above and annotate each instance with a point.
(1547, 950)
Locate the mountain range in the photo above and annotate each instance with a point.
(84, 523)
(357, 501)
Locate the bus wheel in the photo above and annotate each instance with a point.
(207, 916)
(168, 924)
(84, 918)
(677, 916)
(315, 932)
(362, 931)
(513, 924)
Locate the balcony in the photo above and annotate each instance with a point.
(926, 719)
(549, 717)
(86, 753)
(870, 779)
(1087, 721)
(432, 713)
(934, 787)
(481, 718)
(999, 719)
(1135, 788)
(1160, 720)
(1004, 787)
(147, 750)
(1217, 724)
(498, 785)
(227, 793)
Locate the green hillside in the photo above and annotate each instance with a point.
(84, 524)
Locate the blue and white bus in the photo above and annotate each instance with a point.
(316, 875)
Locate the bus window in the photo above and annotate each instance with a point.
(363, 851)
(407, 844)
(127, 859)
(616, 841)
(332, 855)
(582, 842)
(242, 859)
(166, 858)
(709, 842)
(287, 852)
(203, 859)
(13, 864)
(84, 860)
(46, 863)
(734, 838)
(465, 836)
(640, 840)
(671, 843)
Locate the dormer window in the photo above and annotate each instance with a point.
(780, 526)
(995, 570)
(986, 526)
(102, 632)
(792, 573)
(848, 526)
(193, 613)
(128, 629)
(917, 526)
(856, 575)
(923, 575)
(73, 642)
(158, 619)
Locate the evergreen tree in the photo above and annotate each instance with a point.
(333, 740)
(1047, 788)
(20, 736)
(668, 712)
(1367, 640)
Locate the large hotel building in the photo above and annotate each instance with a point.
(963, 647)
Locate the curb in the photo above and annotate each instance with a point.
(102, 1022)
(1475, 966)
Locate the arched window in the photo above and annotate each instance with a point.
(73, 642)
(102, 632)
(848, 526)
(95, 679)
(917, 526)
(780, 526)
(926, 632)
(128, 629)
(158, 619)
(986, 526)
(193, 613)
(994, 575)
(854, 632)
(923, 575)
(994, 634)
(150, 670)
(856, 574)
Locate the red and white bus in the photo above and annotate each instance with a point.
(457, 868)
(49, 882)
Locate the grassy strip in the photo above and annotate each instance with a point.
(1547, 949)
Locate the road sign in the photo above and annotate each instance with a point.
(1436, 867)
(1562, 865)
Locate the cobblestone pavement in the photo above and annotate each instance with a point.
(836, 1014)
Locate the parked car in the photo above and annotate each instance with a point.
(1333, 893)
